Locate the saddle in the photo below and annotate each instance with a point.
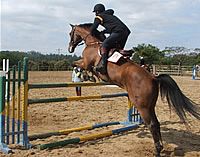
(124, 53)
(115, 54)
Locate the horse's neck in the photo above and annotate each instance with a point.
(88, 38)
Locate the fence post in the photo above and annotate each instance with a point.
(6, 69)
(130, 111)
(18, 101)
(154, 69)
(25, 106)
(3, 146)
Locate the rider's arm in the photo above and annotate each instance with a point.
(105, 31)
(97, 22)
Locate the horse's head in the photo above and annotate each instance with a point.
(82, 33)
(75, 39)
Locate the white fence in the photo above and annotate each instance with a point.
(173, 70)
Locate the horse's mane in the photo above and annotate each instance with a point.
(86, 25)
(97, 33)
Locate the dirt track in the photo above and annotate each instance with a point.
(137, 143)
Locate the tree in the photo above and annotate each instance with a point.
(38, 61)
(151, 54)
(62, 65)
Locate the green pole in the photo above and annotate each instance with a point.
(18, 101)
(3, 147)
(13, 103)
(2, 107)
(8, 107)
(25, 105)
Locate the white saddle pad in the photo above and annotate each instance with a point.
(115, 57)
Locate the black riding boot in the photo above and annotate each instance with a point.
(102, 66)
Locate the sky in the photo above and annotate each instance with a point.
(43, 25)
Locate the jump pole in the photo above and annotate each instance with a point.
(67, 131)
(68, 84)
(75, 98)
(87, 137)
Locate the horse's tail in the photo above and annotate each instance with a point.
(176, 99)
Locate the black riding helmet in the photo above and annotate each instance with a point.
(99, 8)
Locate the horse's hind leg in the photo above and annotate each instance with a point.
(155, 131)
(153, 124)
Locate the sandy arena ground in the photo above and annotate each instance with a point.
(137, 143)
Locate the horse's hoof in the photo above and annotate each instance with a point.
(95, 69)
(159, 148)
(92, 79)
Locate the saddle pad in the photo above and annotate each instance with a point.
(115, 57)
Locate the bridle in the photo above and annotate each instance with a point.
(72, 42)
(84, 39)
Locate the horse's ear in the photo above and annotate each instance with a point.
(71, 25)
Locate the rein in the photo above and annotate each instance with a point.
(85, 39)
(90, 44)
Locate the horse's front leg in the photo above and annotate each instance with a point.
(79, 63)
(92, 76)
(82, 63)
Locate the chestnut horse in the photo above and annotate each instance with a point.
(142, 86)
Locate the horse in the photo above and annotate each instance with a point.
(142, 87)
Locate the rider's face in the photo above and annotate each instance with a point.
(96, 13)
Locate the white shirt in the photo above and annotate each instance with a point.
(76, 74)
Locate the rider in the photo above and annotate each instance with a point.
(118, 31)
